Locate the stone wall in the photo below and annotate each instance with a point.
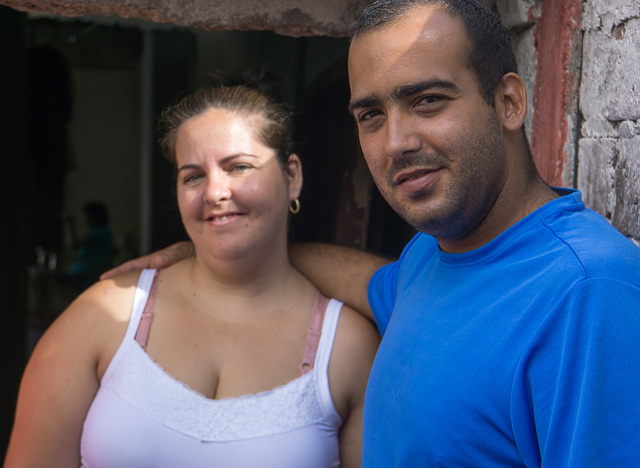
(597, 80)
(609, 145)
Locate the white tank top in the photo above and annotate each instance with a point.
(143, 417)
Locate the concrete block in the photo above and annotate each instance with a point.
(628, 129)
(611, 74)
(598, 127)
(597, 175)
(626, 216)
(604, 15)
(518, 13)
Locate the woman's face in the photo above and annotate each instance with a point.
(233, 194)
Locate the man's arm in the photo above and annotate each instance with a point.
(339, 272)
(158, 259)
(581, 382)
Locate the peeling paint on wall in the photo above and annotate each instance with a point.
(556, 37)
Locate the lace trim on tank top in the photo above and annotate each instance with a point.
(137, 379)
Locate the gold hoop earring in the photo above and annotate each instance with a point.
(294, 207)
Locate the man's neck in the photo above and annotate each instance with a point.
(515, 202)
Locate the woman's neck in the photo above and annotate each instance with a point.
(250, 275)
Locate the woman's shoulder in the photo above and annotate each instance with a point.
(354, 349)
(109, 298)
(356, 343)
(356, 327)
(96, 321)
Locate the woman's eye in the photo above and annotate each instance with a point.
(240, 168)
(191, 178)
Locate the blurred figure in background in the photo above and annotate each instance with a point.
(95, 252)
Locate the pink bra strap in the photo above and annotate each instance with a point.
(313, 333)
(142, 335)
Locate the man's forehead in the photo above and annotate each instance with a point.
(420, 25)
(424, 39)
(417, 17)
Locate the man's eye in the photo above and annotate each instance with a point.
(368, 115)
(430, 99)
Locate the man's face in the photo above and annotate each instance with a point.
(433, 145)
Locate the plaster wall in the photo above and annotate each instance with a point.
(288, 17)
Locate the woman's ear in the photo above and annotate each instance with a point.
(293, 171)
(511, 101)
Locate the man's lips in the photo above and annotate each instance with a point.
(416, 179)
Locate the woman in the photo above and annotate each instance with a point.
(223, 359)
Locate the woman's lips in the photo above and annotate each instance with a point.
(222, 219)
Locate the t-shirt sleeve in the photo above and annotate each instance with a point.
(576, 394)
(383, 286)
(382, 294)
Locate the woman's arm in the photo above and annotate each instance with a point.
(354, 349)
(339, 272)
(61, 381)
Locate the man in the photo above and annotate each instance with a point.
(511, 322)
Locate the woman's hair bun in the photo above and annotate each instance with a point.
(261, 79)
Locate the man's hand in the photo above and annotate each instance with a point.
(158, 259)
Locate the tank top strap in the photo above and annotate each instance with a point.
(313, 333)
(142, 335)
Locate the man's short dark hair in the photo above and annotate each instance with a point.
(491, 55)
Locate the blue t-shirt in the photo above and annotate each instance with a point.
(524, 352)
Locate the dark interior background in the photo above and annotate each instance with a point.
(78, 103)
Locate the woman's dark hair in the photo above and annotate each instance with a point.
(273, 130)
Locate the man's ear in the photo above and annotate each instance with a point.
(511, 101)
(293, 171)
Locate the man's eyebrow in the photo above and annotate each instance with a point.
(415, 88)
(402, 92)
(367, 101)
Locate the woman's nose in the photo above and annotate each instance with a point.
(217, 189)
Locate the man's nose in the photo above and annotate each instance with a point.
(401, 136)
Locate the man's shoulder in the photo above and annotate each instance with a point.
(596, 245)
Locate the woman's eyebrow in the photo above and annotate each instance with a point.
(188, 166)
(222, 161)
